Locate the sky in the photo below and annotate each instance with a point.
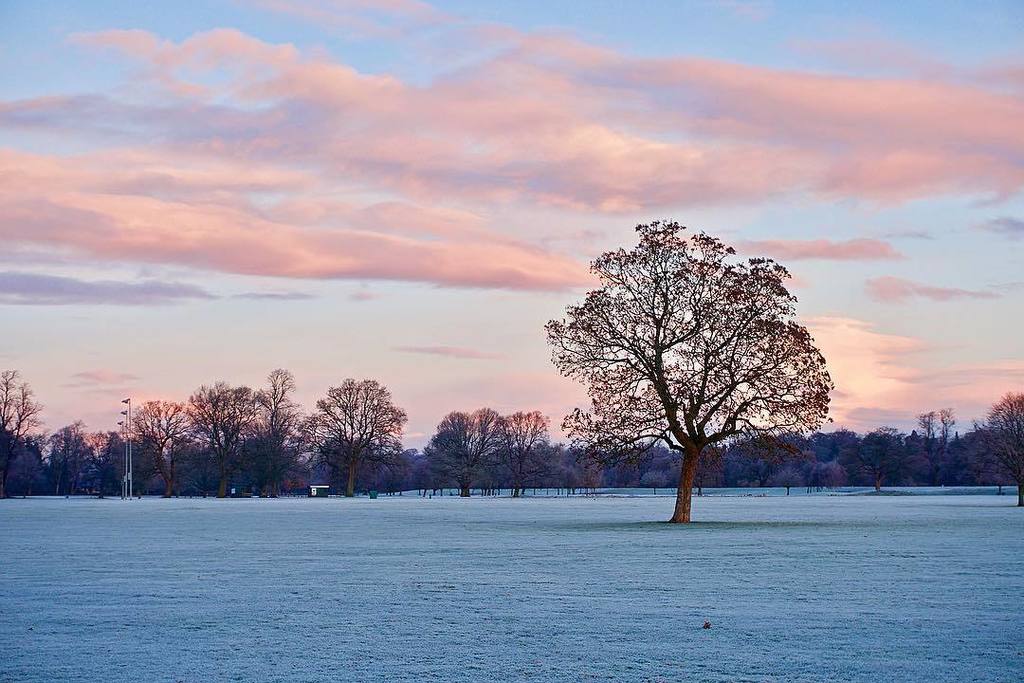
(409, 191)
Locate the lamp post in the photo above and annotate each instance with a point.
(128, 448)
(124, 475)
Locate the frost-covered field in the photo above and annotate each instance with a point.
(810, 588)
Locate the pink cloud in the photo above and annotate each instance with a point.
(557, 121)
(45, 204)
(889, 378)
(897, 290)
(848, 250)
(266, 149)
(102, 377)
(449, 351)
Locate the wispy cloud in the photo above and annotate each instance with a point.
(823, 249)
(30, 289)
(275, 296)
(1005, 226)
(910, 234)
(363, 295)
(898, 290)
(101, 377)
(450, 352)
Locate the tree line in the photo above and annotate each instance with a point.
(261, 442)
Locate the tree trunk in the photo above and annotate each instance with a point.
(1020, 495)
(878, 482)
(222, 487)
(350, 488)
(684, 493)
(464, 491)
(3, 483)
(168, 481)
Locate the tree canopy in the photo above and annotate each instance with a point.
(685, 344)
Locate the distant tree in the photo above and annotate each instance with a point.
(567, 473)
(68, 453)
(790, 475)
(881, 456)
(761, 456)
(356, 422)
(927, 423)
(163, 428)
(592, 471)
(981, 466)
(275, 444)
(393, 476)
(19, 418)
(525, 448)
(709, 467)
(422, 476)
(827, 475)
(828, 446)
(683, 344)
(654, 479)
(106, 458)
(28, 472)
(1005, 427)
(221, 417)
(465, 444)
(199, 472)
(936, 430)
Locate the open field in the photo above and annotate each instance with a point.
(806, 588)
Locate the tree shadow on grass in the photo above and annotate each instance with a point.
(662, 526)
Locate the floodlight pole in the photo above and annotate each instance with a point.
(129, 475)
(124, 456)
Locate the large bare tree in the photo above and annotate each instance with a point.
(464, 445)
(19, 416)
(163, 428)
(67, 454)
(525, 447)
(276, 433)
(685, 344)
(1005, 428)
(881, 455)
(936, 429)
(105, 461)
(356, 422)
(221, 417)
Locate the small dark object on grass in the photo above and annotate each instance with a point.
(707, 624)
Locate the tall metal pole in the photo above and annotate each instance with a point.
(128, 449)
(124, 456)
(131, 464)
